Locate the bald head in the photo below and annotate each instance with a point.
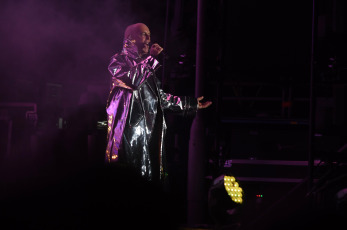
(141, 36)
(131, 30)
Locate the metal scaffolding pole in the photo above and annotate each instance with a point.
(196, 192)
(312, 100)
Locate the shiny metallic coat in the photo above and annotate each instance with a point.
(135, 109)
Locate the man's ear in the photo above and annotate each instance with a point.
(131, 39)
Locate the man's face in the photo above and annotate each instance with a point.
(142, 37)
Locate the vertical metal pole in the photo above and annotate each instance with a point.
(196, 194)
(312, 101)
(164, 78)
(9, 138)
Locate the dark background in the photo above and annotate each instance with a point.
(260, 70)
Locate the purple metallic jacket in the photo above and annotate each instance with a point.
(135, 109)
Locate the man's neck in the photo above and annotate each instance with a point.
(143, 55)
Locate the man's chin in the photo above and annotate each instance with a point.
(144, 51)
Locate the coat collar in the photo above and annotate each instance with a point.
(129, 49)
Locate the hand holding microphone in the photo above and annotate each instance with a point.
(155, 50)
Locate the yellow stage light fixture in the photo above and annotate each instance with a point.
(233, 189)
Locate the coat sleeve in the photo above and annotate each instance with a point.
(182, 104)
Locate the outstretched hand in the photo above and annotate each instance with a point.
(203, 105)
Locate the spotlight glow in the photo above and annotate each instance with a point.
(233, 189)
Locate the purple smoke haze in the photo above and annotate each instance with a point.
(61, 41)
(54, 55)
